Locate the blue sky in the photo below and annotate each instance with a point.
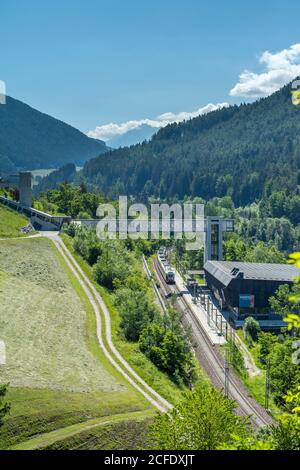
(96, 62)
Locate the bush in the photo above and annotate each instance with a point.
(237, 358)
(203, 420)
(266, 341)
(286, 435)
(251, 328)
(113, 265)
(135, 310)
(168, 348)
(71, 230)
(4, 407)
(284, 374)
(87, 244)
(83, 215)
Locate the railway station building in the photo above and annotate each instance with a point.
(243, 289)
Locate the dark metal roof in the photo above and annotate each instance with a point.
(225, 271)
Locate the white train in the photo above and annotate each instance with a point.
(162, 250)
(164, 267)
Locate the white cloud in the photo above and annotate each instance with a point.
(280, 68)
(108, 131)
(2, 92)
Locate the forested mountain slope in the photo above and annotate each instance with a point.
(244, 151)
(31, 140)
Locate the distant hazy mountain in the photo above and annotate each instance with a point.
(31, 140)
(133, 132)
(135, 136)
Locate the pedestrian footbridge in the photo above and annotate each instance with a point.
(38, 219)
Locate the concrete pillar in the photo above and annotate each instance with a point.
(25, 189)
(213, 248)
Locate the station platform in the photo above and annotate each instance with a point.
(199, 312)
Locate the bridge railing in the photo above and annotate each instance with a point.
(57, 221)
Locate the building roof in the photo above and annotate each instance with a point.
(225, 271)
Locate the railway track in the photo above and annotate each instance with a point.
(213, 362)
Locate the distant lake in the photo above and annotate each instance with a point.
(42, 173)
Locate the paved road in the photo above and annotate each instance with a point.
(110, 352)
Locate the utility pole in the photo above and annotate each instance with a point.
(226, 372)
(208, 311)
(221, 324)
(233, 336)
(268, 385)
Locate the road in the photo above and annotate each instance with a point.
(213, 362)
(110, 351)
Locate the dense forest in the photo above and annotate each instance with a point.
(246, 152)
(266, 231)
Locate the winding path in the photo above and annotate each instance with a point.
(110, 351)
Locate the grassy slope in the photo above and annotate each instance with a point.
(256, 385)
(80, 433)
(10, 222)
(126, 435)
(37, 410)
(143, 366)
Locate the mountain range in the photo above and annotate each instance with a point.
(33, 140)
(242, 151)
(133, 132)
